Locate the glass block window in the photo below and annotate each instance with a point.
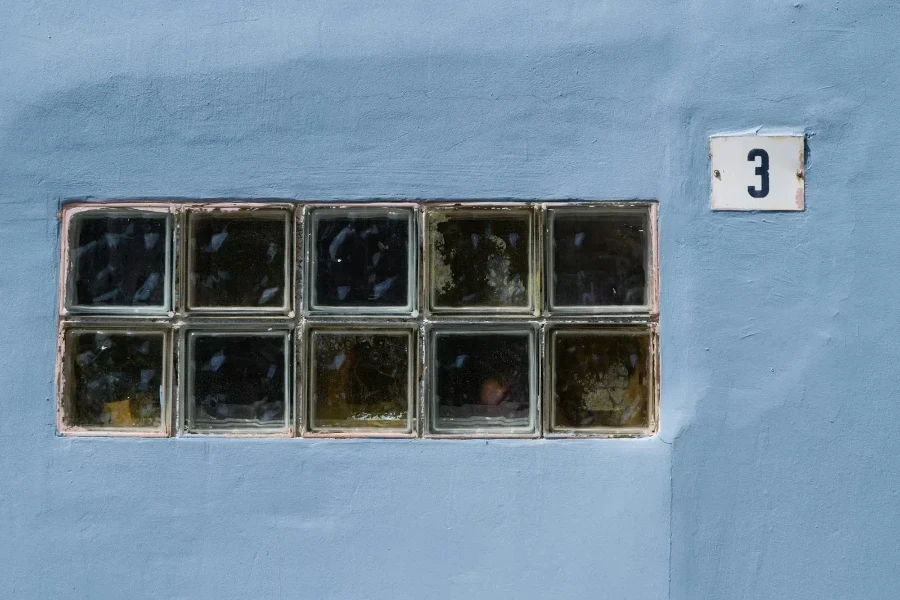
(314, 319)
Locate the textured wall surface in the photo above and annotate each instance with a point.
(776, 473)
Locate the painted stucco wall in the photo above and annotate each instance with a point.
(777, 471)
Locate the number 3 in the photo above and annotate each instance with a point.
(762, 170)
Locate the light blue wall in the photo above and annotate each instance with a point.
(777, 471)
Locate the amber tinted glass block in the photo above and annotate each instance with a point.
(480, 259)
(600, 380)
(119, 260)
(360, 380)
(361, 258)
(239, 261)
(482, 380)
(117, 379)
(237, 381)
(599, 259)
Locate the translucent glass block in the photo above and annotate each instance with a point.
(362, 260)
(237, 381)
(114, 379)
(482, 381)
(361, 380)
(119, 260)
(481, 260)
(599, 258)
(240, 261)
(600, 380)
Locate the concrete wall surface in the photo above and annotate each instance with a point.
(776, 471)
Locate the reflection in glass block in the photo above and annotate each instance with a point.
(480, 260)
(238, 381)
(482, 380)
(238, 261)
(119, 260)
(599, 260)
(600, 380)
(360, 380)
(361, 258)
(117, 379)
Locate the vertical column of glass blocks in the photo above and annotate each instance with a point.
(600, 350)
(482, 290)
(237, 352)
(115, 360)
(361, 333)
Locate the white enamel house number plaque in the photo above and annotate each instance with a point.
(757, 172)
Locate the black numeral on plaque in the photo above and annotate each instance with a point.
(762, 170)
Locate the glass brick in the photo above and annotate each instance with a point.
(362, 259)
(361, 380)
(119, 260)
(237, 381)
(482, 381)
(480, 260)
(598, 258)
(600, 380)
(240, 261)
(117, 379)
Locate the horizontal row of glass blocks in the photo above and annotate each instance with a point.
(480, 379)
(359, 259)
(469, 320)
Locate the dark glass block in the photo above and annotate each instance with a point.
(238, 381)
(361, 380)
(117, 379)
(480, 261)
(119, 260)
(599, 260)
(361, 259)
(238, 261)
(482, 380)
(601, 380)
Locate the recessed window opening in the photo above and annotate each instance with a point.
(428, 319)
